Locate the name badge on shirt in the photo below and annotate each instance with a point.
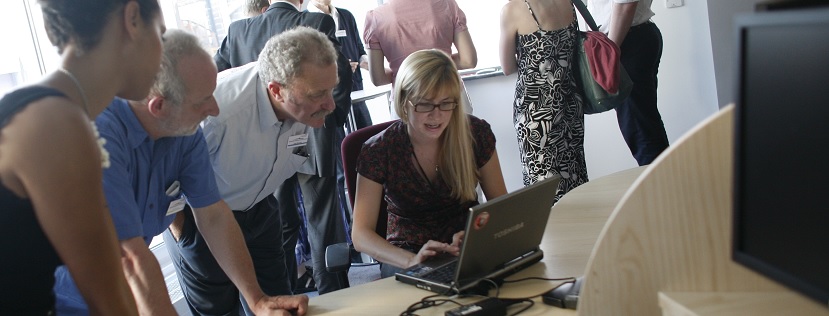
(297, 140)
(340, 33)
(176, 206)
(173, 189)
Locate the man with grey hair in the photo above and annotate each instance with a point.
(317, 179)
(255, 143)
(159, 163)
(256, 7)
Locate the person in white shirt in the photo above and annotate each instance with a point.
(628, 24)
(255, 143)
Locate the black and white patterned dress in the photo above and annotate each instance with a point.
(547, 111)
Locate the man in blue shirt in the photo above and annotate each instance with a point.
(159, 163)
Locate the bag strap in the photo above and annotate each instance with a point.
(586, 14)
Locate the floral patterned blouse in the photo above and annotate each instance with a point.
(418, 212)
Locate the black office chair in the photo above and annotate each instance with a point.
(338, 256)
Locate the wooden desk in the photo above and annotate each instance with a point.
(737, 303)
(572, 230)
(669, 241)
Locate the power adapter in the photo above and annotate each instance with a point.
(490, 306)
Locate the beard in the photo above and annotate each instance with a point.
(186, 131)
(174, 127)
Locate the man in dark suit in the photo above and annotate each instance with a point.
(318, 177)
(352, 48)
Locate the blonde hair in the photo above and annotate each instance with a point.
(422, 75)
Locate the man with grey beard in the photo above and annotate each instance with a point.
(256, 142)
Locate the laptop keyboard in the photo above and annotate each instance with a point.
(444, 274)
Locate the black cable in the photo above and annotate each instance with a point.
(572, 279)
(511, 302)
(495, 284)
(426, 302)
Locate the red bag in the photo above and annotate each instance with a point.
(603, 58)
(603, 81)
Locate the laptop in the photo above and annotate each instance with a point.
(502, 237)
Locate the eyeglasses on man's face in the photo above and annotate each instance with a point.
(429, 107)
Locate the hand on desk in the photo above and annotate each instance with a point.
(282, 305)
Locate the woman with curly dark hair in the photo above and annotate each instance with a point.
(51, 159)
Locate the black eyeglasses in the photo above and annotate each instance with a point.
(428, 107)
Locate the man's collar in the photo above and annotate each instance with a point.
(267, 116)
(136, 134)
(313, 8)
(283, 4)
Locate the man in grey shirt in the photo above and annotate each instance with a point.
(255, 143)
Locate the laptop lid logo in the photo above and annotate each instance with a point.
(509, 230)
(480, 220)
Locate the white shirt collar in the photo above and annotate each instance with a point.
(288, 2)
(334, 13)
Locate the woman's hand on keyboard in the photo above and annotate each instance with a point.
(457, 240)
(433, 248)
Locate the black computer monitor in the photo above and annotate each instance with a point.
(781, 165)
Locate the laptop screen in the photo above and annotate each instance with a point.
(504, 229)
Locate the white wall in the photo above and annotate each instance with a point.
(721, 21)
(687, 95)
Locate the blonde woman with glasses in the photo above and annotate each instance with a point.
(426, 166)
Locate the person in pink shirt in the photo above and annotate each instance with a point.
(400, 27)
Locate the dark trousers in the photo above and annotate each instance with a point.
(639, 119)
(286, 196)
(206, 287)
(324, 224)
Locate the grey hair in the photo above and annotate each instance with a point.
(284, 54)
(254, 7)
(168, 82)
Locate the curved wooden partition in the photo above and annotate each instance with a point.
(672, 230)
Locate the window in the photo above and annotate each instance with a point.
(484, 19)
(32, 55)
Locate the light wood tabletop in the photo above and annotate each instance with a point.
(572, 230)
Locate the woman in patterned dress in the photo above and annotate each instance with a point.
(537, 40)
(426, 166)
